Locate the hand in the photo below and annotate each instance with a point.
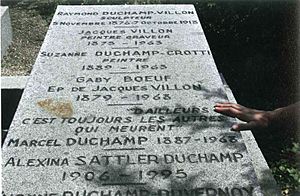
(253, 118)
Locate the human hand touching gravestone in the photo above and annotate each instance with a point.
(119, 103)
(281, 117)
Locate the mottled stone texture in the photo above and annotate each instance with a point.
(120, 102)
(6, 31)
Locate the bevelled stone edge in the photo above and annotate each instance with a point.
(14, 82)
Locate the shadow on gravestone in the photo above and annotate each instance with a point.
(186, 119)
(202, 126)
(205, 170)
(185, 186)
(219, 93)
(117, 170)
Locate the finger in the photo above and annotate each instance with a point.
(233, 105)
(221, 103)
(228, 111)
(244, 126)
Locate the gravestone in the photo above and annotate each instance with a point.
(120, 102)
(6, 30)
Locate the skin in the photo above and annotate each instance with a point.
(285, 117)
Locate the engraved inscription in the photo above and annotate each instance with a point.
(123, 106)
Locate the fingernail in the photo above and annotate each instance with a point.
(234, 127)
